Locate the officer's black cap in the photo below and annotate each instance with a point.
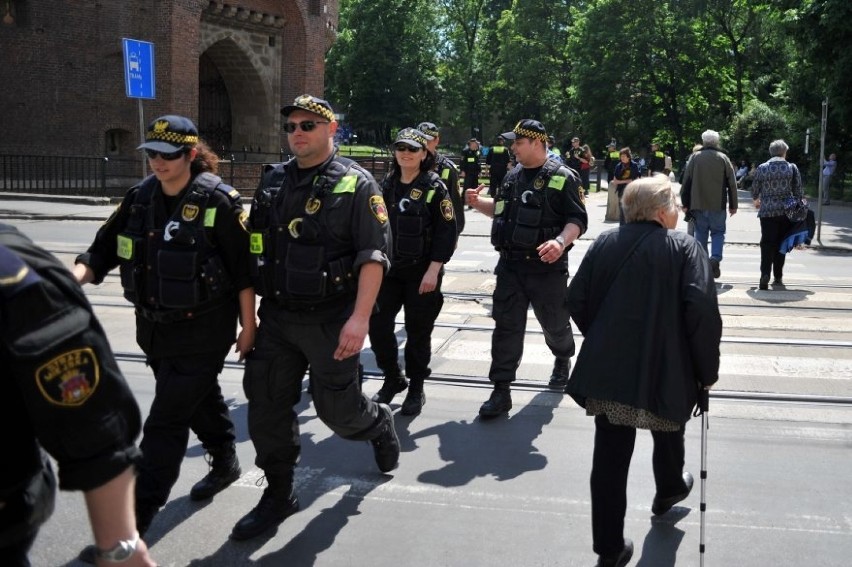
(429, 130)
(170, 134)
(612, 144)
(527, 128)
(311, 104)
(412, 137)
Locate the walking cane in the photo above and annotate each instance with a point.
(703, 402)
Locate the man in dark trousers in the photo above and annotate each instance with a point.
(319, 238)
(64, 394)
(538, 213)
(498, 164)
(610, 161)
(656, 160)
(446, 170)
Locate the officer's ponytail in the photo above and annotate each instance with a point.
(205, 160)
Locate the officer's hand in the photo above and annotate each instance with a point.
(550, 251)
(245, 341)
(352, 336)
(472, 195)
(430, 279)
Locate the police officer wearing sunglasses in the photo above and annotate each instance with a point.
(423, 224)
(538, 212)
(319, 246)
(180, 242)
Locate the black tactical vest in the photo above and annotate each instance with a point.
(296, 258)
(524, 215)
(173, 266)
(411, 221)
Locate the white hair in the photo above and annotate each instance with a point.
(710, 138)
(778, 148)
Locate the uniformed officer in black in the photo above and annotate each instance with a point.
(574, 154)
(320, 246)
(498, 164)
(470, 164)
(423, 226)
(657, 160)
(180, 240)
(62, 392)
(446, 170)
(611, 160)
(538, 212)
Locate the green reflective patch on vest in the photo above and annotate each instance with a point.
(498, 208)
(557, 182)
(210, 218)
(445, 173)
(346, 185)
(429, 195)
(256, 243)
(125, 248)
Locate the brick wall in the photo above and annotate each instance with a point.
(62, 65)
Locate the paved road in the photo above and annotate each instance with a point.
(515, 491)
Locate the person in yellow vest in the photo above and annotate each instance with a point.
(498, 164)
(657, 162)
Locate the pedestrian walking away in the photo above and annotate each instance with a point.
(538, 213)
(647, 351)
(319, 244)
(709, 185)
(63, 396)
(424, 236)
(180, 241)
(446, 170)
(776, 191)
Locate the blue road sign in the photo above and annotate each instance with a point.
(139, 68)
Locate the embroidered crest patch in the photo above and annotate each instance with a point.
(447, 209)
(312, 206)
(243, 220)
(69, 379)
(416, 193)
(582, 195)
(377, 206)
(538, 183)
(189, 212)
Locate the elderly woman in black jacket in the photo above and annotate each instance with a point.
(645, 300)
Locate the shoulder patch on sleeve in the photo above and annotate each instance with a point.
(378, 208)
(447, 209)
(70, 378)
(582, 195)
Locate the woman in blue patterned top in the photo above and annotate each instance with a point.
(775, 183)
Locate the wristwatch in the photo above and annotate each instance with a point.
(561, 240)
(122, 550)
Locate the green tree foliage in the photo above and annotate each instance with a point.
(634, 70)
(381, 71)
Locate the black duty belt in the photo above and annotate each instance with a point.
(174, 315)
(519, 254)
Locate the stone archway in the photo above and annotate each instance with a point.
(238, 90)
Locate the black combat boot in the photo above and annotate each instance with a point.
(394, 384)
(386, 443)
(499, 403)
(276, 505)
(415, 399)
(559, 376)
(224, 470)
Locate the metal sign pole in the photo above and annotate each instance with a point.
(822, 188)
(142, 137)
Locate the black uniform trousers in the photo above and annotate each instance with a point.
(287, 342)
(421, 310)
(772, 233)
(187, 396)
(495, 179)
(517, 289)
(610, 466)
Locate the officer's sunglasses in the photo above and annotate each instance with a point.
(304, 126)
(406, 148)
(153, 154)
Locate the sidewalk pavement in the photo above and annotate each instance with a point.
(743, 228)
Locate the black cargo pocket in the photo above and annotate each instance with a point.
(129, 276)
(178, 286)
(304, 275)
(409, 237)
